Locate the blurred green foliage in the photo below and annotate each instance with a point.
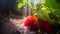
(54, 5)
(49, 11)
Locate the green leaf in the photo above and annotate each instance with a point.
(21, 3)
(42, 12)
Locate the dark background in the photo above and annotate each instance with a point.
(6, 6)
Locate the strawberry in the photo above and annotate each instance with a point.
(31, 23)
(44, 26)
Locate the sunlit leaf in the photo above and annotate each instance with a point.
(21, 3)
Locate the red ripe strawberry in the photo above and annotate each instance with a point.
(44, 26)
(30, 22)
